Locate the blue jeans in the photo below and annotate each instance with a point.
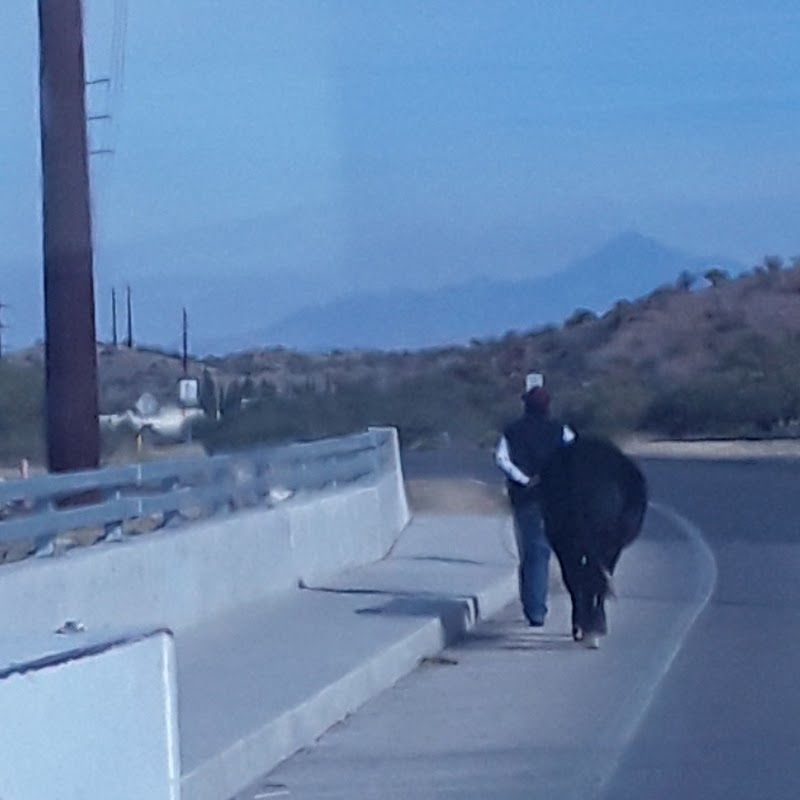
(534, 562)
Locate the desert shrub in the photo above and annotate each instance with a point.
(773, 263)
(21, 412)
(717, 276)
(609, 405)
(547, 341)
(729, 403)
(461, 405)
(567, 361)
(579, 317)
(726, 320)
(155, 350)
(685, 281)
(464, 396)
(622, 311)
(659, 297)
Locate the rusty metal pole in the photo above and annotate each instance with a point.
(114, 339)
(185, 357)
(129, 306)
(73, 435)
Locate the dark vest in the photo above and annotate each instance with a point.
(531, 439)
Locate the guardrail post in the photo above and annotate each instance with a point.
(113, 531)
(45, 546)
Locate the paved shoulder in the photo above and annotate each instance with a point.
(514, 712)
(263, 682)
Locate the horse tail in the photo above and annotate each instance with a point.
(611, 589)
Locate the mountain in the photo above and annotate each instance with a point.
(236, 309)
(629, 266)
(718, 361)
(231, 277)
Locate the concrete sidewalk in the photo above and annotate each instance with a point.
(264, 682)
(508, 711)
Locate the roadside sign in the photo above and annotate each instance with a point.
(189, 392)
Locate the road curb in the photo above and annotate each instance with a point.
(249, 759)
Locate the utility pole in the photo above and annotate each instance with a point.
(185, 343)
(129, 338)
(73, 433)
(114, 339)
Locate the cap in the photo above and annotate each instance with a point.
(533, 380)
(537, 399)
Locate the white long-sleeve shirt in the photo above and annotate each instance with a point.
(502, 457)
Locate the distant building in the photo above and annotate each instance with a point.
(167, 421)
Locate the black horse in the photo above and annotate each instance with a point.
(593, 500)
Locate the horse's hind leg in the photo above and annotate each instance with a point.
(590, 608)
(575, 576)
(599, 624)
(571, 575)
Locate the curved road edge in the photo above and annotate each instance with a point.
(624, 726)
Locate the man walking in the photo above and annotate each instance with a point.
(521, 453)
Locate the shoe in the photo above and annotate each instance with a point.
(536, 623)
(577, 634)
(591, 641)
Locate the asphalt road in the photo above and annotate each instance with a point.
(702, 701)
(725, 722)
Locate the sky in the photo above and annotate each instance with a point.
(271, 154)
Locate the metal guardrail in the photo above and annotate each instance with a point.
(42, 511)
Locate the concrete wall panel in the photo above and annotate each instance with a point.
(181, 578)
(88, 718)
(336, 531)
(175, 579)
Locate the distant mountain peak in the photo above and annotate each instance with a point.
(628, 266)
(627, 249)
(632, 237)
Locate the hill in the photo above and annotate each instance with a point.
(720, 360)
(625, 268)
(715, 359)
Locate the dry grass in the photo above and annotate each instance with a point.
(683, 331)
(630, 355)
(453, 496)
(714, 450)
(680, 330)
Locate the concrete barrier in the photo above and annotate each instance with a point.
(88, 717)
(184, 577)
(169, 578)
(327, 533)
(67, 710)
